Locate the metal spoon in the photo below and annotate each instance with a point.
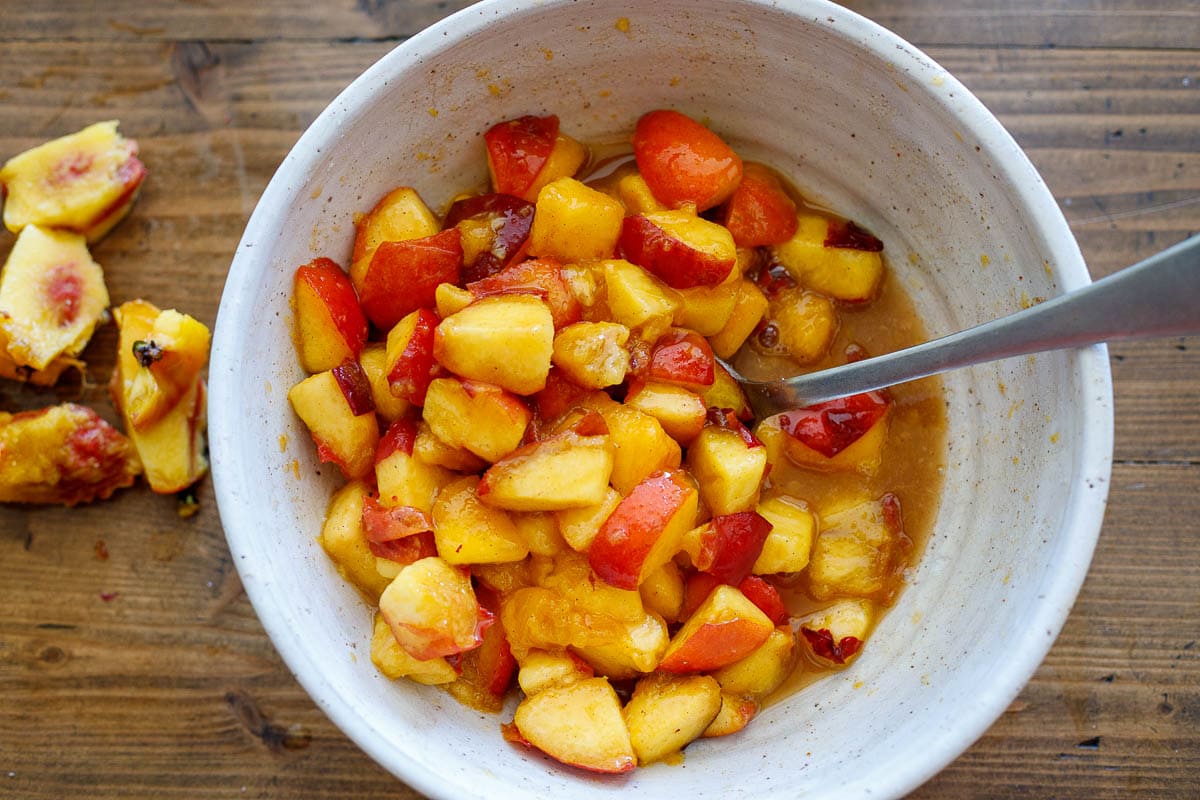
(1159, 296)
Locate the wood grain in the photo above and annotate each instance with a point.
(132, 665)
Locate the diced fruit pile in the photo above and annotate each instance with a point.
(58, 198)
(550, 479)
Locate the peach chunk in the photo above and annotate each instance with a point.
(402, 478)
(726, 628)
(762, 671)
(432, 610)
(564, 471)
(836, 634)
(853, 553)
(338, 409)
(681, 413)
(592, 354)
(666, 712)
(63, 454)
(579, 724)
(638, 300)
(171, 448)
(394, 661)
(399, 215)
(505, 340)
(789, 544)
(821, 256)
(633, 652)
(344, 540)
(644, 530)
(728, 467)
(330, 326)
(642, 446)
(479, 417)
(171, 356)
(680, 248)
(52, 296)
(373, 360)
(574, 222)
(85, 182)
(542, 670)
(469, 532)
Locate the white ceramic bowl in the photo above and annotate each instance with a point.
(858, 119)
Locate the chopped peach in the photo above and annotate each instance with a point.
(469, 532)
(762, 671)
(526, 153)
(592, 354)
(432, 610)
(330, 325)
(399, 215)
(171, 356)
(539, 530)
(662, 592)
(728, 468)
(666, 712)
(579, 724)
(849, 269)
(735, 714)
(728, 545)
(564, 471)
(680, 248)
(409, 361)
(760, 212)
(373, 360)
(394, 661)
(345, 540)
(726, 393)
(645, 529)
(85, 182)
(52, 296)
(854, 550)
(506, 340)
(684, 162)
(579, 526)
(403, 479)
(638, 300)
(803, 325)
(642, 446)
(63, 454)
(725, 628)
(479, 417)
(835, 634)
(401, 276)
(748, 310)
(845, 435)
(574, 222)
(707, 309)
(635, 651)
(339, 414)
(789, 544)
(681, 413)
(543, 670)
(429, 448)
(634, 193)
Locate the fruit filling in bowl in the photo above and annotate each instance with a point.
(554, 492)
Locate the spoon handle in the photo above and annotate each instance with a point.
(1159, 296)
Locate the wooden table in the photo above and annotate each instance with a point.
(131, 663)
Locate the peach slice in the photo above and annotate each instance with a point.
(845, 435)
(330, 326)
(85, 182)
(432, 610)
(479, 417)
(662, 592)
(726, 628)
(579, 526)
(495, 231)
(63, 454)
(638, 300)
(735, 714)
(726, 393)
(432, 450)
(401, 276)
(52, 296)
(728, 545)
(684, 162)
(542, 670)
(526, 153)
(564, 471)
(373, 360)
(666, 712)
(540, 277)
(642, 446)
(172, 448)
(760, 211)
(707, 309)
(635, 651)
(644, 531)
(505, 340)
(579, 724)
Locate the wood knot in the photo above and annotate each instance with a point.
(275, 736)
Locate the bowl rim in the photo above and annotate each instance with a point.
(1093, 458)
